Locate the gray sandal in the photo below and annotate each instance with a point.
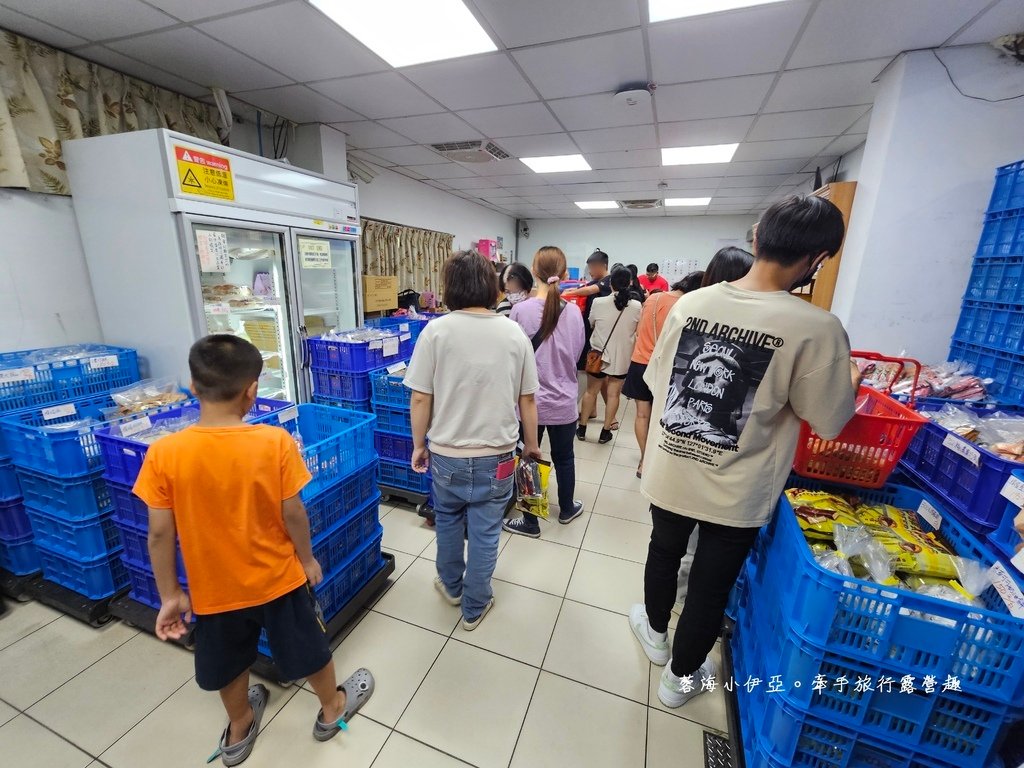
(238, 753)
(358, 690)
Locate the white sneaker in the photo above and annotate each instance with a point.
(469, 626)
(676, 691)
(657, 650)
(441, 588)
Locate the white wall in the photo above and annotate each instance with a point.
(45, 295)
(636, 241)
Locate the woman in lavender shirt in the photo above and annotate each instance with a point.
(555, 328)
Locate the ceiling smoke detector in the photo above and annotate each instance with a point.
(472, 151)
(633, 98)
(640, 205)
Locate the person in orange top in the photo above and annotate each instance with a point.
(230, 492)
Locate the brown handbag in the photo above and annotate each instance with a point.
(595, 362)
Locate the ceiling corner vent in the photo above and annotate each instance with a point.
(472, 151)
(640, 205)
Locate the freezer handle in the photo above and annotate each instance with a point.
(303, 336)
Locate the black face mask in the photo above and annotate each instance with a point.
(808, 278)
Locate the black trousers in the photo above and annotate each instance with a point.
(721, 551)
(562, 438)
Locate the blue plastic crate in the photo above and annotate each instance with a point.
(136, 547)
(400, 475)
(128, 507)
(43, 376)
(142, 583)
(334, 546)
(35, 439)
(992, 325)
(328, 507)
(1005, 538)
(395, 420)
(81, 540)
(123, 456)
(342, 356)
(78, 499)
(411, 325)
(14, 522)
(98, 578)
(875, 625)
(1002, 234)
(341, 386)
(1008, 190)
(393, 446)
(20, 556)
(336, 442)
(364, 406)
(1006, 369)
(10, 488)
(389, 389)
(999, 279)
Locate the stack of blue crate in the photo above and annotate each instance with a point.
(393, 436)
(340, 365)
(56, 399)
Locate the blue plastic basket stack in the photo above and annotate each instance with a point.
(393, 436)
(340, 366)
(53, 401)
(810, 636)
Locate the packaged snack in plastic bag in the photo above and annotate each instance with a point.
(143, 396)
(817, 512)
(850, 542)
(905, 541)
(532, 486)
(972, 579)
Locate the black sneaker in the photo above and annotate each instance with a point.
(606, 436)
(581, 433)
(521, 527)
(577, 510)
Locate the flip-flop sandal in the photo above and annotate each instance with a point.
(238, 752)
(358, 690)
(614, 426)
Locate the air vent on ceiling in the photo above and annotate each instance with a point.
(472, 151)
(640, 205)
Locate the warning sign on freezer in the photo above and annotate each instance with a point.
(200, 173)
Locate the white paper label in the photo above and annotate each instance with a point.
(218, 309)
(961, 448)
(403, 327)
(390, 347)
(288, 414)
(17, 374)
(930, 514)
(107, 361)
(314, 254)
(405, 337)
(130, 428)
(1018, 561)
(56, 411)
(396, 367)
(376, 344)
(1014, 491)
(1007, 589)
(212, 248)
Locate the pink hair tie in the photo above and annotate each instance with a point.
(553, 279)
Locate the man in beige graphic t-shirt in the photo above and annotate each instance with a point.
(736, 368)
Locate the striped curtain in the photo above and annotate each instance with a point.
(415, 256)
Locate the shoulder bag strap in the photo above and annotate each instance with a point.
(614, 326)
(536, 340)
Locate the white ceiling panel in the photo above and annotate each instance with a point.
(191, 10)
(823, 161)
(732, 192)
(409, 155)
(583, 113)
(635, 158)
(839, 85)
(520, 120)
(298, 103)
(118, 61)
(747, 42)
(1005, 18)
(297, 40)
(519, 180)
(510, 167)
(472, 82)
(442, 171)
(861, 126)
(705, 171)
(369, 157)
(712, 98)
(410, 173)
(769, 181)
(693, 187)
(763, 167)
(95, 20)
(805, 124)
(737, 202)
(480, 186)
(386, 94)
(846, 143)
(538, 146)
(611, 139)
(367, 135)
(591, 65)
(691, 133)
(780, 150)
(208, 62)
(841, 30)
(525, 22)
(592, 190)
(432, 129)
(38, 30)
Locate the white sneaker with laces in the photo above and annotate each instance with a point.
(676, 691)
(657, 649)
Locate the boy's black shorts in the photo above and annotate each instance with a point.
(226, 642)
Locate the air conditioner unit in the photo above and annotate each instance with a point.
(472, 151)
(640, 205)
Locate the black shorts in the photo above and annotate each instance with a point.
(226, 642)
(635, 387)
(604, 375)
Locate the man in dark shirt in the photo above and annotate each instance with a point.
(599, 285)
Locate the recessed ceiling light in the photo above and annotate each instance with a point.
(596, 205)
(687, 200)
(712, 153)
(404, 32)
(556, 163)
(662, 10)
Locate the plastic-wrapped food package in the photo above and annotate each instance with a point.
(817, 512)
(532, 486)
(850, 542)
(972, 579)
(911, 549)
(60, 354)
(143, 396)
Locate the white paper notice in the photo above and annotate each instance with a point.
(288, 414)
(396, 367)
(1007, 588)
(930, 514)
(212, 248)
(56, 411)
(390, 347)
(1014, 491)
(107, 361)
(314, 254)
(17, 374)
(130, 428)
(961, 448)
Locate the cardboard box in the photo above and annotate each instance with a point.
(379, 293)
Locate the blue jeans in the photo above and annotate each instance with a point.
(467, 494)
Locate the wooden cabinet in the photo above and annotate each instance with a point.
(820, 292)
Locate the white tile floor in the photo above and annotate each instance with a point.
(552, 677)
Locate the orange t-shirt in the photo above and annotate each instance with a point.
(225, 486)
(652, 319)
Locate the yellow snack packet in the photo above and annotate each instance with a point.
(817, 512)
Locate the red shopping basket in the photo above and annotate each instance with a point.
(874, 440)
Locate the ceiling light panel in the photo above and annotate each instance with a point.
(556, 163)
(710, 153)
(596, 205)
(405, 32)
(663, 10)
(687, 201)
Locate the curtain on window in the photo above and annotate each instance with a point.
(416, 256)
(48, 96)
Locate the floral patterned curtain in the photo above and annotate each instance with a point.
(416, 256)
(48, 96)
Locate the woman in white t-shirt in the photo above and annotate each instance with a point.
(614, 320)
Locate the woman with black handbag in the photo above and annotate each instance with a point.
(614, 320)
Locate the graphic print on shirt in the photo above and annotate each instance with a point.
(715, 375)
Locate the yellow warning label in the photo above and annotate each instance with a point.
(200, 173)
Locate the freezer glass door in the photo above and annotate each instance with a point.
(243, 281)
(327, 280)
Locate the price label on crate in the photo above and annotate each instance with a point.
(130, 428)
(12, 375)
(396, 367)
(1014, 491)
(390, 347)
(106, 361)
(1007, 588)
(218, 309)
(403, 327)
(930, 514)
(962, 448)
(57, 411)
(376, 344)
(405, 337)
(289, 414)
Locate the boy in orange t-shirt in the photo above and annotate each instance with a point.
(230, 492)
